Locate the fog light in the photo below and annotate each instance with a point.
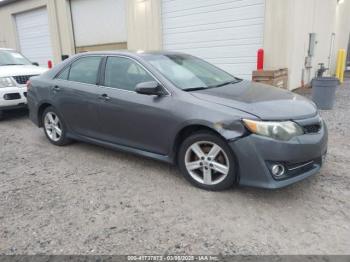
(278, 170)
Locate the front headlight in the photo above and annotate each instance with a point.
(276, 130)
(7, 82)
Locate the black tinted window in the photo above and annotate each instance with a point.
(124, 73)
(85, 70)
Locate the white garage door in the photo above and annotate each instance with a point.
(99, 22)
(227, 33)
(34, 35)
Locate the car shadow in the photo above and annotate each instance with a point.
(126, 158)
(249, 192)
(15, 114)
(282, 195)
(290, 192)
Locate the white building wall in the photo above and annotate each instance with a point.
(286, 39)
(287, 25)
(144, 24)
(343, 25)
(99, 22)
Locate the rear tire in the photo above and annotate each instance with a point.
(206, 160)
(54, 127)
(1, 115)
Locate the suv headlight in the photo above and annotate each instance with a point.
(276, 130)
(7, 82)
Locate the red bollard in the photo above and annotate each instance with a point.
(49, 64)
(260, 62)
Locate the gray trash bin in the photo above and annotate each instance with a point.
(323, 91)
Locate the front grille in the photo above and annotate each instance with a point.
(315, 128)
(22, 80)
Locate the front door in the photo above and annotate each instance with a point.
(131, 119)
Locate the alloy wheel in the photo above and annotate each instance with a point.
(53, 126)
(207, 163)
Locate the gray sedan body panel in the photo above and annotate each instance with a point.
(254, 152)
(139, 114)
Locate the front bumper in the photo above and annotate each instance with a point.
(13, 97)
(302, 156)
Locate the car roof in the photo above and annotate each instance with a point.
(139, 53)
(131, 54)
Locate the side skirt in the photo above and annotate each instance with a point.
(118, 147)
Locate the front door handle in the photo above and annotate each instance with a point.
(104, 97)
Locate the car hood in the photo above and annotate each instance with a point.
(264, 101)
(21, 70)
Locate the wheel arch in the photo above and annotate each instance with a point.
(192, 128)
(188, 130)
(41, 110)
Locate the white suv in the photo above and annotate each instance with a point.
(15, 71)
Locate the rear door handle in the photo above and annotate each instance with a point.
(104, 97)
(56, 88)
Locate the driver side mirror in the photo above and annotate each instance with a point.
(35, 63)
(149, 88)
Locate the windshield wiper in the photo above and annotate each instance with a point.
(214, 86)
(195, 88)
(229, 83)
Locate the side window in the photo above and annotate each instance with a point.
(64, 74)
(124, 73)
(85, 70)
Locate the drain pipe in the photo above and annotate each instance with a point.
(308, 59)
(331, 53)
(72, 24)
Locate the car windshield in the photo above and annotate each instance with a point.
(190, 73)
(12, 58)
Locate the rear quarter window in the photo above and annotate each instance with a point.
(85, 70)
(64, 74)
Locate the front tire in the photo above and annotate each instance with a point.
(54, 127)
(207, 161)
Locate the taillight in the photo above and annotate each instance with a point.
(29, 85)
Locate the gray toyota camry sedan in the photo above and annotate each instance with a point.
(220, 130)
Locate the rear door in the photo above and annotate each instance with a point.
(131, 119)
(76, 93)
